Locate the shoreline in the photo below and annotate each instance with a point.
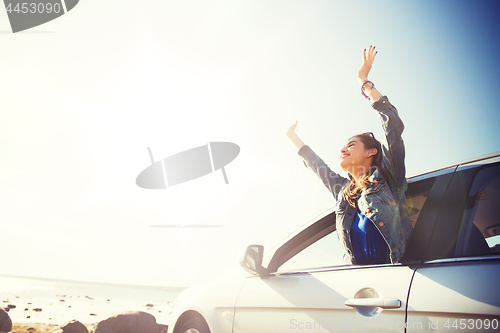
(54, 302)
(44, 328)
(98, 283)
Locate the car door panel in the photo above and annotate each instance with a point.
(316, 300)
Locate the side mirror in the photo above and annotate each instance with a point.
(252, 259)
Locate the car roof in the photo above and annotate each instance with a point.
(463, 162)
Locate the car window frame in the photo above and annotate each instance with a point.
(300, 241)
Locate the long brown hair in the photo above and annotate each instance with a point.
(353, 189)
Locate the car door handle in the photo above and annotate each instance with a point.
(384, 303)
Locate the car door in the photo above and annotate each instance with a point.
(457, 288)
(316, 300)
(311, 289)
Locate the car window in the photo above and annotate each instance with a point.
(480, 227)
(325, 252)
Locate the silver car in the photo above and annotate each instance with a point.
(447, 280)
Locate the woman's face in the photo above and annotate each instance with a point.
(354, 157)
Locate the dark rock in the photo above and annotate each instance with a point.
(5, 321)
(11, 306)
(37, 309)
(28, 316)
(61, 300)
(74, 326)
(93, 314)
(149, 305)
(26, 309)
(128, 322)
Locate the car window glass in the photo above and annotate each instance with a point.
(416, 196)
(324, 252)
(480, 228)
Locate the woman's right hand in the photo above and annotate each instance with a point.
(297, 142)
(368, 58)
(291, 129)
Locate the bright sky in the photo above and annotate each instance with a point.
(83, 96)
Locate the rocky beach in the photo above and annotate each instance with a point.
(45, 305)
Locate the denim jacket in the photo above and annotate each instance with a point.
(384, 202)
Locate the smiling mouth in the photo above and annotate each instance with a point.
(343, 156)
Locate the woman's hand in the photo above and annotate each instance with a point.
(368, 58)
(291, 129)
(297, 142)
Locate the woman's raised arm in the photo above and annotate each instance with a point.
(332, 180)
(393, 147)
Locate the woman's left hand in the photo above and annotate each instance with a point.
(368, 58)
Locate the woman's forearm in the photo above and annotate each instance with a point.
(297, 142)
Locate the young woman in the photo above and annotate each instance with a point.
(371, 213)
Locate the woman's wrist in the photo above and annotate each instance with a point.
(362, 79)
(366, 88)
